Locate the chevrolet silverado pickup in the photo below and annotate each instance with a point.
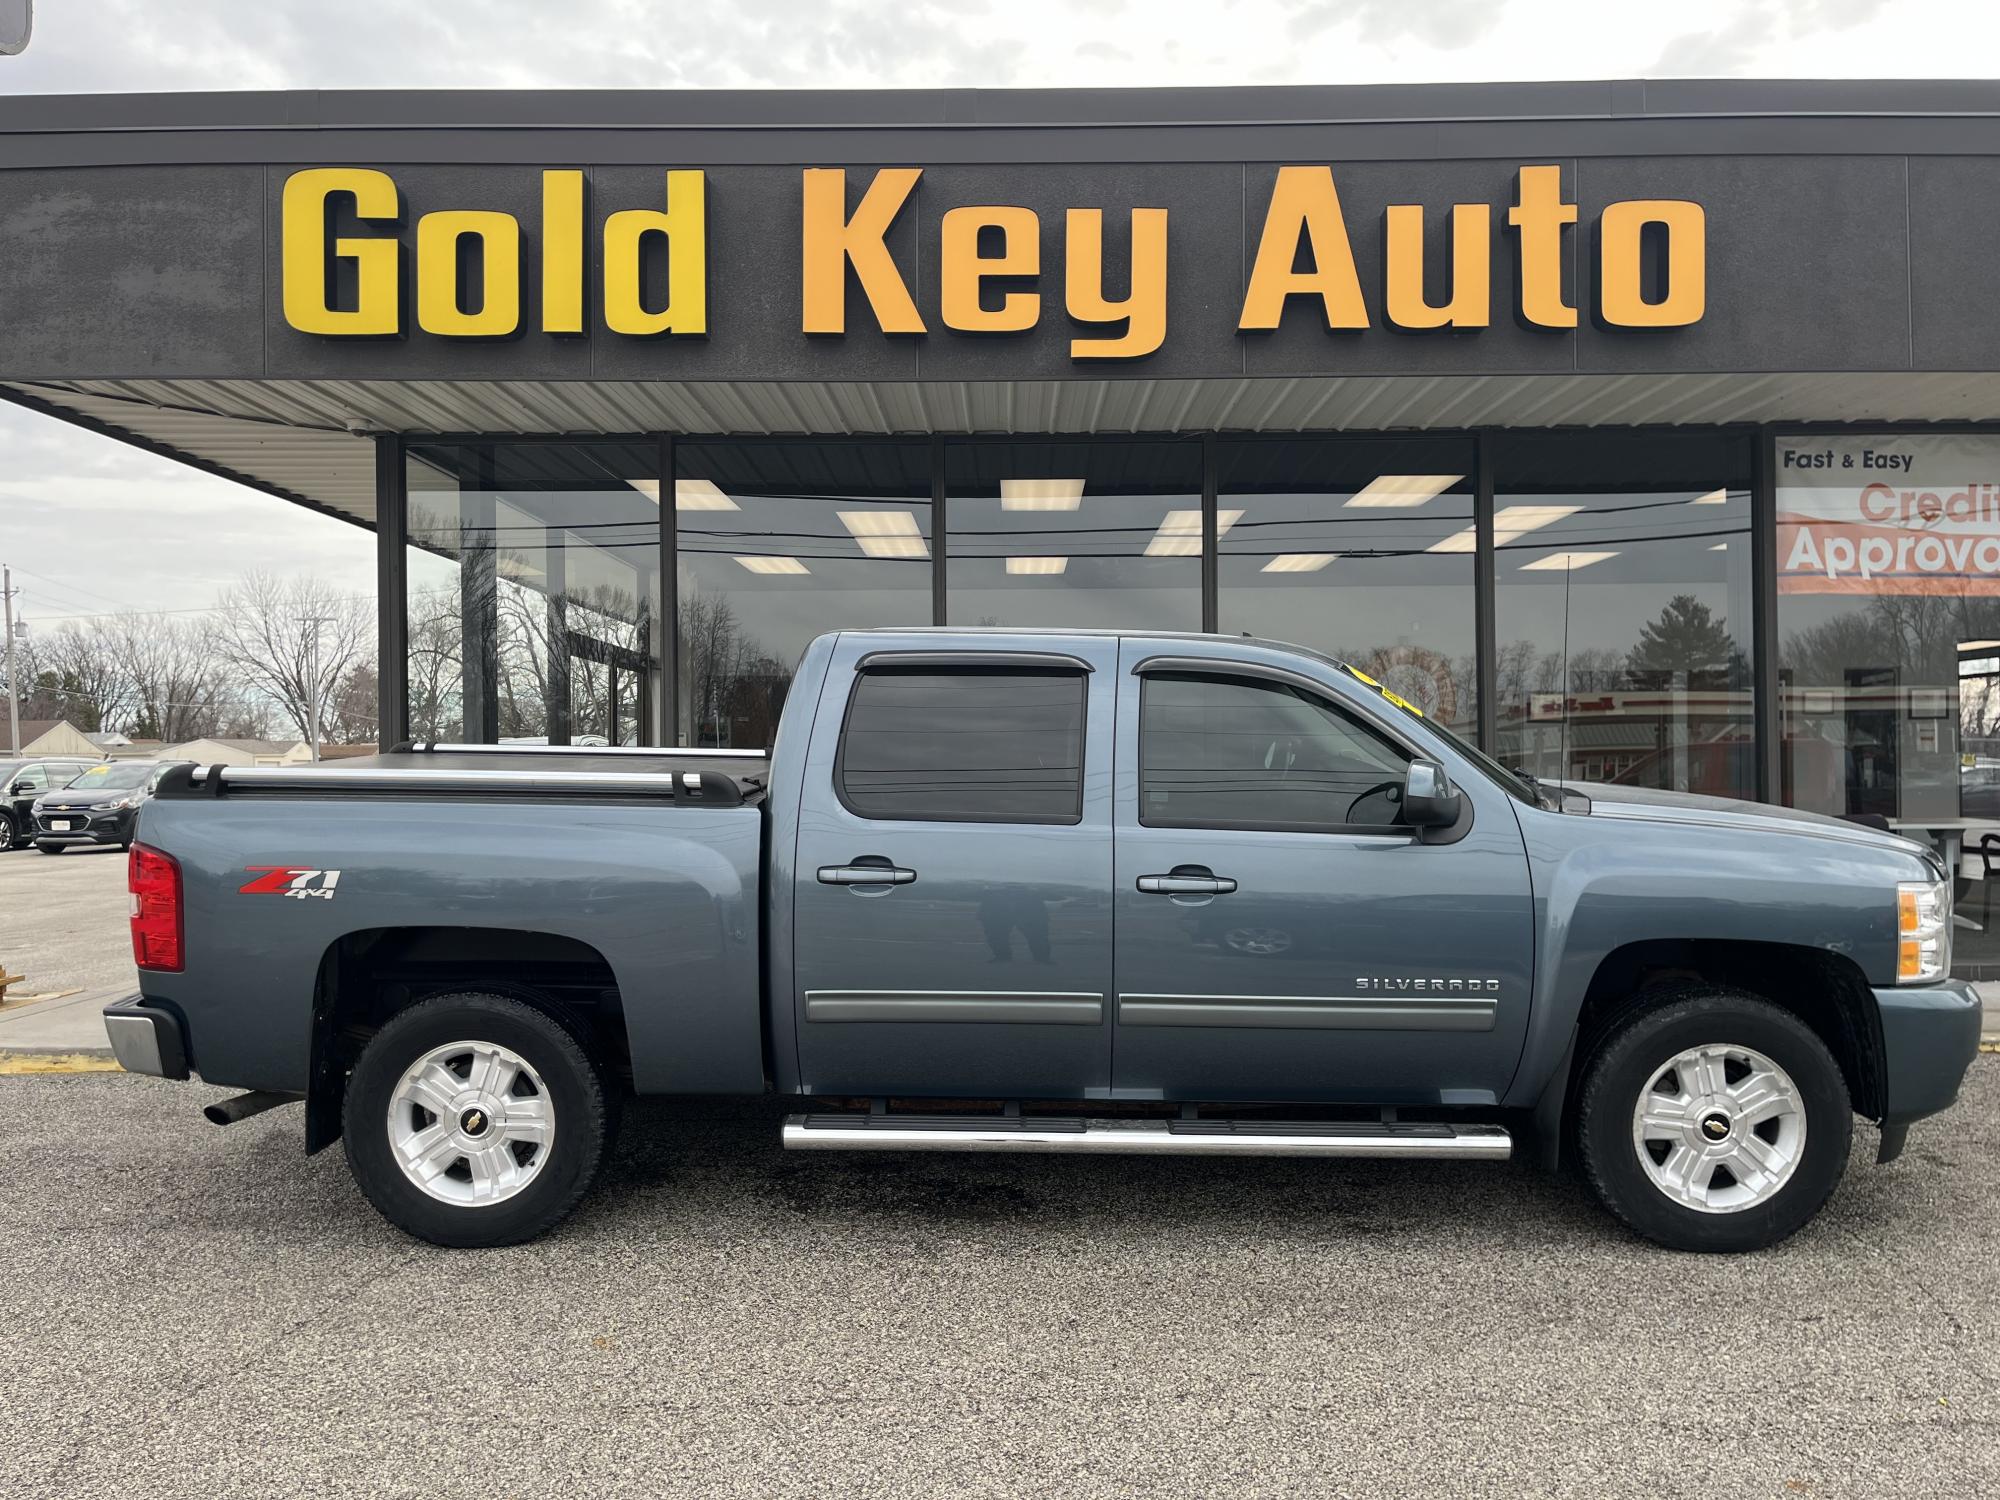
(1046, 891)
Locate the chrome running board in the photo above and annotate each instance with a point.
(1037, 1133)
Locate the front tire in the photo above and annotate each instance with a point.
(49, 848)
(6, 832)
(475, 1120)
(1713, 1120)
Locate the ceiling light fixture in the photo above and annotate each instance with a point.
(1180, 533)
(1041, 494)
(689, 494)
(1565, 562)
(885, 533)
(1713, 497)
(1298, 562)
(1509, 523)
(1401, 491)
(1037, 565)
(774, 565)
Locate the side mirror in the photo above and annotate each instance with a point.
(20, 789)
(1429, 798)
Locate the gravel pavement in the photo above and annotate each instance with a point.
(202, 1312)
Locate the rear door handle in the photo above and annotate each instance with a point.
(865, 875)
(1186, 885)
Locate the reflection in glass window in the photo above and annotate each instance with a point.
(534, 593)
(1101, 535)
(1360, 549)
(779, 542)
(1623, 571)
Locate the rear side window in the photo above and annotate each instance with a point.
(1242, 752)
(988, 745)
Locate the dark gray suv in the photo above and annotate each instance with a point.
(21, 782)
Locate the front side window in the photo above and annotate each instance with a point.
(971, 746)
(1236, 752)
(32, 778)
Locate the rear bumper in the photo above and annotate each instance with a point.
(1930, 1035)
(146, 1038)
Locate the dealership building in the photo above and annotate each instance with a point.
(1645, 432)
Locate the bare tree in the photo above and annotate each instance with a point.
(176, 688)
(71, 674)
(267, 627)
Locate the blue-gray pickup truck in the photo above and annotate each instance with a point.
(1046, 891)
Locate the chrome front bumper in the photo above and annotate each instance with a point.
(146, 1038)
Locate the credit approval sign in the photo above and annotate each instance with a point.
(1889, 514)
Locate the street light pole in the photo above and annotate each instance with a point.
(312, 689)
(13, 684)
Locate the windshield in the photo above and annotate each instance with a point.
(112, 778)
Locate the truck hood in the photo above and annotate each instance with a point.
(1733, 812)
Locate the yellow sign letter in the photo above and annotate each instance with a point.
(1304, 204)
(562, 252)
(832, 241)
(962, 269)
(308, 261)
(1470, 304)
(1620, 295)
(1144, 310)
(684, 225)
(439, 303)
(1538, 216)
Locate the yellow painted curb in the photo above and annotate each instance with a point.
(21, 1063)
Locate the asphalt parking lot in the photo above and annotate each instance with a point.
(62, 920)
(203, 1312)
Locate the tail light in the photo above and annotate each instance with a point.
(154, 880)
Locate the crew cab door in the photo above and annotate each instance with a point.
(952, 886)
(1279, 935)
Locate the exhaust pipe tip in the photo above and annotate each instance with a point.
(243, 1106)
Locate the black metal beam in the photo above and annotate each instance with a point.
(1767, 719)
(1211, 585)
(392, 579)
(670, 596)
(1485, 594)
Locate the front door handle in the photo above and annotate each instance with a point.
(865, 874)
(1178, 884)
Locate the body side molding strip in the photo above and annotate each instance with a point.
(1312, 1012)
(1011, 1006)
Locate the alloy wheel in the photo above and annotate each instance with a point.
(1719, 1128)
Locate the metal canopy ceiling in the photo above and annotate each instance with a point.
(308, 440)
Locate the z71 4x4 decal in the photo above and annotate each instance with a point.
(290, 880)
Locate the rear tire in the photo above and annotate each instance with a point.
(1713, 1120)
(475, 1120)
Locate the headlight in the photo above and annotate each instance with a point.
(1923, 931)
(36, 810)
(119, 805)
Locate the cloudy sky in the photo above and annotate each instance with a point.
(91, 525)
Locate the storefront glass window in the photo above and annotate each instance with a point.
(1623, 573)
(534, 593)
(778, 542)
(1888, 555)
(1100, 535)
(1362, 549)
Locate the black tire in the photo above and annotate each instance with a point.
(8, 840)
(582, 1106)
(49, 848)
(1633, 1050)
